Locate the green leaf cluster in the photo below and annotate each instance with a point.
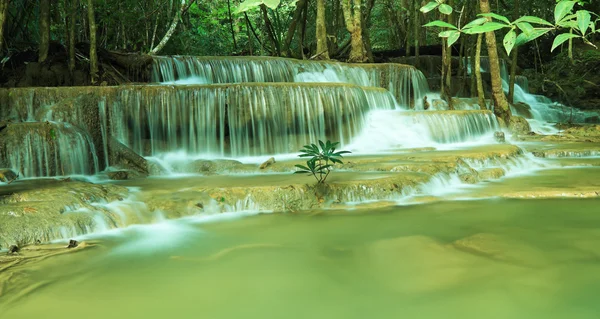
(322, 157)
(522, 30)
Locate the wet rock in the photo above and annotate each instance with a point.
(519, 125)
(122, 156)
(118, 175)
(491, 174)
(268, 163)
(592, 119)
(438, 104)
(73, 243)
(499, 136)
(7, 175)
(13, 249)
(522, 109)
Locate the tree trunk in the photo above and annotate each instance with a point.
(303, 20)
(477, 70)
(366, 23)
(352, 16)
(72, 21)
(44, 30)
(270, 31)
(231, 25)
(501, 107)
(3, 18)
(513, 65)
(292, 28)
(448, 83)
(322, 48)
(417, 30)
(171, 30)
(93, 52)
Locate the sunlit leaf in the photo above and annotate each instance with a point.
(532, 19)
(453, 38)
(525, 27)
(475, 23)
(562, 9)
(428, 7)
(495, 16)
(445, 9)
(583, 20)
(509, 41)
(487, 27)
(524, 37)
(441, 24)
(561, 38)
(251, 4)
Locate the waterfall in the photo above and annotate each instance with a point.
(220, 119)
(388, 130)
(47, 149)
(407, 84)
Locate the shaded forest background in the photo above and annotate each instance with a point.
(57, 35)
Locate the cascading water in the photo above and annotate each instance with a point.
(48, 149)
(220, 120)
(386, 130)
(407, 84)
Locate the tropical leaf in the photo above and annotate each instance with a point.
(428, 7)
(523, 38)
(525, 27)
(561, 38)
(445, 9)
(509, 41)
(487, 27)
(495, 16)
(562, 9)
(535, 20)
(583, 20)
(453, 38)
(475, 23)
(441, 24)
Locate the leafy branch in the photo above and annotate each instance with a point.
(522, 30)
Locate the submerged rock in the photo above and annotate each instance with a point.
(210, 167)
(7, 175)
(73, 243)
(118, 175)
(268, 163)
(499, 136)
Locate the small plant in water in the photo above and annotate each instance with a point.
(321, 160)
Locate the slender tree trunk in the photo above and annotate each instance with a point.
(292, 28)
(322, 48)
(303, 31)
(44, 30)
(93, 53)
(365, 30)
(501, 107)
(231, 25)
(513, 65)
(3, 15)
(477, 70)
(417, 30)
(352, 16)
(171, 31)
(270, 31)
(72, 21)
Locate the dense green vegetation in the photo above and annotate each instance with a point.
(82, 32)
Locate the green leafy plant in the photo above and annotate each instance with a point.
(579, 25)
(321, 159)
